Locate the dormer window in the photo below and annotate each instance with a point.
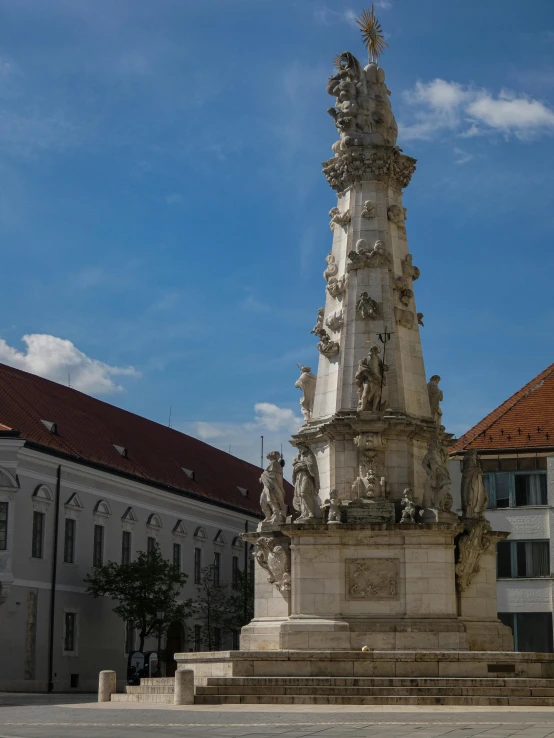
(243, 491)
(121, 450)
(50, 426)
(188, 472)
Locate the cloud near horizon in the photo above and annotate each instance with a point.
(440, 105)
(59, 359)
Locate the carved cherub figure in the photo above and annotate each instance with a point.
(368, 210)
(319, 323)
(336, 286)
(332, 267)
(396, 214)
(367, 307)
(409, 270)
(334, 506)
(326, 346)
(408, 513)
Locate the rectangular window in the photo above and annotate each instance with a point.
(69, 632)
(236, 570)
(532, 630)
(197, 565)
(38, 535)
(69, 541)
(217, 569)
(523, 559)
(217, 639)
(197, 637)
(3, 526)
(129, 637)
(177, 556)
(150, 544)
(98, 549)
(516, 488)
(126, 547)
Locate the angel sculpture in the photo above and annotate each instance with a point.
(435, 398)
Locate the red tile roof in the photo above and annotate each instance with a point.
(524, 421)
(87, 430)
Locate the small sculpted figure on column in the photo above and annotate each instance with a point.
(408, 513)
(370, 379)
(306, 382)
(305, 477)
(438, 482)
(272, 500)
(435, 398)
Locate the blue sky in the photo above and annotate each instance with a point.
(163, 216)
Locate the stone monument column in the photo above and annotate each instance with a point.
(371, 409)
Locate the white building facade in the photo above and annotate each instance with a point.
(61, 516)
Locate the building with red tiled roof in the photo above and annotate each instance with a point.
(515, 443)
(83, 482)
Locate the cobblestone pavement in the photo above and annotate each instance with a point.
(78, 716)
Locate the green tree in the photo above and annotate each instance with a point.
(240, 601)
(147, 585)
(209, 609)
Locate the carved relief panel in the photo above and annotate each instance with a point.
(372, 579)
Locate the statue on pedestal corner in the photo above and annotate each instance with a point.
(305, 477)
(306, 382)
(474, 495)
(272, 500)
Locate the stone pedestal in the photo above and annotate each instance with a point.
(385, 586)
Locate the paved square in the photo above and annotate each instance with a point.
(80, 716)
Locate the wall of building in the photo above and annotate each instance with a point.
(26, 581)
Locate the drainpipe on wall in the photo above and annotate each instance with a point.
(53, 582)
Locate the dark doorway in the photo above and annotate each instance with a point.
(175, 644)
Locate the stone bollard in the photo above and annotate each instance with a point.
(184, 687)
(107, 685)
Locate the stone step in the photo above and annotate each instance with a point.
(484, 682)
(238, 699)
(158, 698)
(158, 681)
(146, 689)
(383, 691)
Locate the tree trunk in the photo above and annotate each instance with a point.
(142, 636)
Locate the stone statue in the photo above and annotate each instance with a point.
(336, 286)
(370, 379)
(403, 291)
(363, 256)
(408, 513)
(272, 500)
(368, 210)
(420, 320)
(474, 495)
(306, 382)
(362, 113)
(332, 267)
(338, 218)
(409, 270)
(334, 507)
(435, 398)
(396, 214)
(404, 317)
(367, 307)
(437, 483)
(319, 323)
(326, 346)
(335, 320)
(305, 478)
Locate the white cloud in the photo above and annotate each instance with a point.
(56, 358)
(328, 17)
(274, 423)
(462, 157)
(467, 111)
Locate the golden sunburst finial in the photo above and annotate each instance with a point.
(372, 34)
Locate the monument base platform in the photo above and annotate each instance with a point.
(371, 677)
(400, 634)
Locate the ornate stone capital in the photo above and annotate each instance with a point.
(362, 164)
